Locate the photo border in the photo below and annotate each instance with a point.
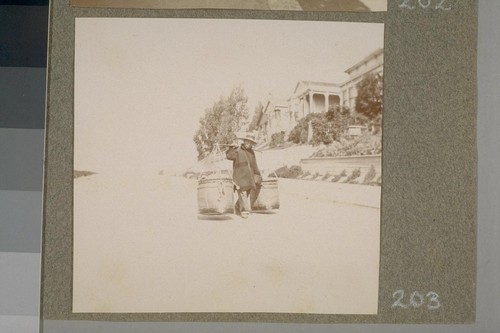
(411, 214)
(153, 4)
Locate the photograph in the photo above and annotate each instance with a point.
(296, 5)
(226, 165)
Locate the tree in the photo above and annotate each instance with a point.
(340, 118)
(254, 123)
(318, 121)
(369, 102)
(220, 122)
(327, 127)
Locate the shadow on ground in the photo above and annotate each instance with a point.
(265, 212)
(215, 217)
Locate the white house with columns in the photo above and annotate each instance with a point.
(312, 96)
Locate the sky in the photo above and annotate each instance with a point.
(141, 85)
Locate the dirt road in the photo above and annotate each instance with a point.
(140, 246)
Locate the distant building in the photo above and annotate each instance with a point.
(276, 117)
(372, 64)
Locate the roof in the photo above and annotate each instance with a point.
(262, 119)
(315, 86)
(276, 102)
(366, 59)
(273, 104)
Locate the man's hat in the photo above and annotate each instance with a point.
(247, 136)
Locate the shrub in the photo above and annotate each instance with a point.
(277, 139)
(326, 176)
(295, 171)
(280, 172)
(370, 175)
(352, 177)
(366, 144)
(285, 172)
(322, 130)
(336, 178)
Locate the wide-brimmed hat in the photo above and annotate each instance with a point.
(247, 136)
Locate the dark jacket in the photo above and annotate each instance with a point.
(244, 167)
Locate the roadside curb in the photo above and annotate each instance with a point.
(359, 195)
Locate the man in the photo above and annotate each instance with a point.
(246, 174)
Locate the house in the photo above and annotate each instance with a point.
(371, 64)
(275, 118)
(312, 96)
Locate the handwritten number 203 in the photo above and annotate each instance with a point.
(435, 4)
(417, 299)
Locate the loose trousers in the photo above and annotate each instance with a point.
(246, 199)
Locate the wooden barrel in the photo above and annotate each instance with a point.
(215, 196)
(269, 195)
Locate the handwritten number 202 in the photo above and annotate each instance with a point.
(417, 299)
(412, 4)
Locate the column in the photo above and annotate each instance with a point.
(311, 102)
(327, 102)
(268, 134)
(303, 107)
